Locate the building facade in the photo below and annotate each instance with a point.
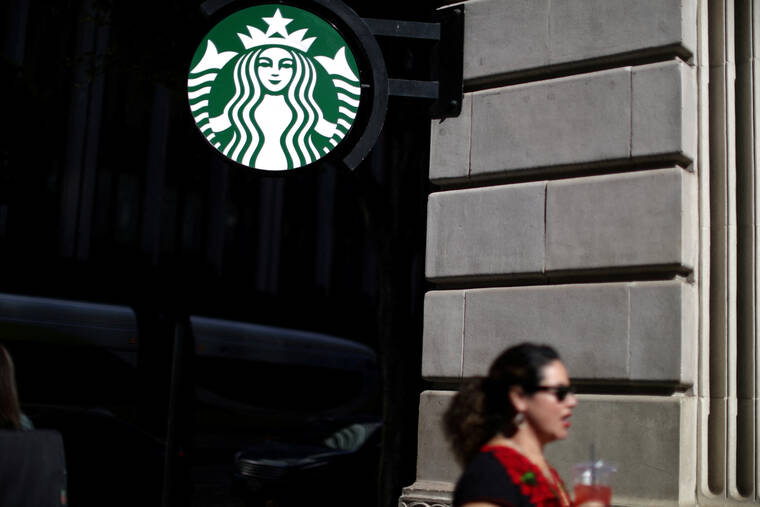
(599, 193)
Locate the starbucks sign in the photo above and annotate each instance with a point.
(274, 87)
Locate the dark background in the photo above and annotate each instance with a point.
(108, 193)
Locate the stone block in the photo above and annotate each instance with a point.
(486, 231)
(587, 324)
(509, 37)
(663, 332)
(651, 439)
(435, 461)
(443, 333)
(612, 115)
(664, 110)
(450, 145)
(583, 29)
(635, 331)
(633, 219)
(570, 120)
(504, 36)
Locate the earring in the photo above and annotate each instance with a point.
(518, 419)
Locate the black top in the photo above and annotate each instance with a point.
(486, 480)
(502, 476)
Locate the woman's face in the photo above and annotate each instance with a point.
(274, 66)
(550, 417)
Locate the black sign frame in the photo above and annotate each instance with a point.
(373, 75)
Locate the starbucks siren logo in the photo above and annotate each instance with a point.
(270, 98)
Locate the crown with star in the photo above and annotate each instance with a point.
(276, 34)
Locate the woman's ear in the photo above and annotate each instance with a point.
(518, 398)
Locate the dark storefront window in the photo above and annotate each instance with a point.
(109, 195)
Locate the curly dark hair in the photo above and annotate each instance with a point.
(10, 411)
(482, 407)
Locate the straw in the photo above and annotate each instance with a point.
(593, 464)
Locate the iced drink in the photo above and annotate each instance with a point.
(592, 482)
(588, 493)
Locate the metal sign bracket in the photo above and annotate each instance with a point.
(448, 32)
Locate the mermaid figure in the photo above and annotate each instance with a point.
(275, 121)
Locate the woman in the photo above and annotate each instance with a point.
(11, 417)
(498, 427)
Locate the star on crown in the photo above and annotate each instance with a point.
(277, 24)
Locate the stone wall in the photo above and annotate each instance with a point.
(565, 211)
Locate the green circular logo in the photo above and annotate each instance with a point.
(274, 87)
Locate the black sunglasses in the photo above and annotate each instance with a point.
(560, 392)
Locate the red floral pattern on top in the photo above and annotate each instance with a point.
(532, 483)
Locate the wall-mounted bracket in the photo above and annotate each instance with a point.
(446, 60)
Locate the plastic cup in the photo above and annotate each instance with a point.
(592, 483)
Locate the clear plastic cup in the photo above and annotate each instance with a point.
(592, 483)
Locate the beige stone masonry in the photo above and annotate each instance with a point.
(435, 461)
(632, 219)
(570, 120)
(664, 110)
(643, 220)
(450, 145)
(570, 174)
(635, 331)
(486, 231)
(444, 320)
(505, 37)
(619, 115)
(437, 470)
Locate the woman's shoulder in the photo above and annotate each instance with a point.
(486, 480)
